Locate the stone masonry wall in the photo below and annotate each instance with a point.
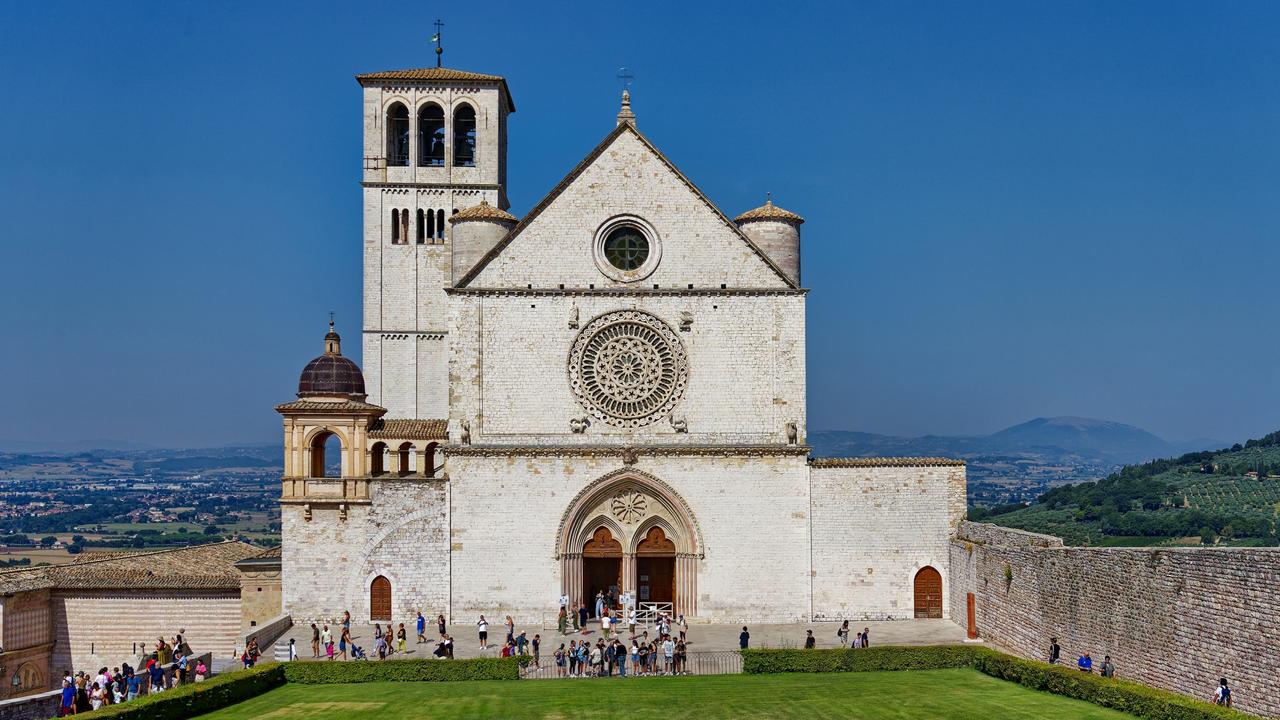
(1176, 618)
(874, 528)
(105, 627)
(329, 563)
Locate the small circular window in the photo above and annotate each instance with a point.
(626, 248)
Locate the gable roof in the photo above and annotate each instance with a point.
(209, 566)
(580, 168)
(441, 74)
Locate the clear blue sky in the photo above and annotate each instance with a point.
(1014, 209)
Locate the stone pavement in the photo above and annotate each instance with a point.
(720, 636)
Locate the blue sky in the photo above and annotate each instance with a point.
(1014, 209)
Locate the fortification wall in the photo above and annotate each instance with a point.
(1176, 618)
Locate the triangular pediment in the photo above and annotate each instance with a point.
(625, 175)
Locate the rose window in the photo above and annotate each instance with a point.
(629, 506)
(628, 368)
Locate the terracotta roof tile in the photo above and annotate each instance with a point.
(886, 462)
(198, 567)
(402, 429)
(321, 406)
(769, 211)
(442, 74)
(484, 211)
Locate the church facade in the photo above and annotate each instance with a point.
(606, 395)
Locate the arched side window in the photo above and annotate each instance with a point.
(422, 227)
(395, 226)
(440, 225)
(431, 136)
(397, 136)
(464, 136)
(326, 453)
(431, 226)
(404, 225)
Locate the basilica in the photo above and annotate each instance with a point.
(606, 395)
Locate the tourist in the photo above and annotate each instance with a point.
(521, 643)
(1222, 696)
(562, 621)
(448, 646)
(635, 656)
(559, 656)
(157, 678)
(857, 641)
(182, 667)
(632, 616)
(346, 620)
(1108, 667)
(668, 655)
(202, 670)
(133, 685)
(483, 625)
(95, 696)
(584, 659)
(866, 637)
(343, 641)
(642, 661)
(422, 628)
(610, 656)
(582, 619)
(682, 657)
(1054, 651)
(377, 630)
(809, 641)
(599, 602)
(293, 654)
(510, 625)
(315, 641)
(69, 698)
(744, 638)
(571, 656)
(400, 639)
(605, 621)
(380, 645)
(440, 625)
(597, 660)
(1085, 663)
(326, 639)
(684, 627)
(537, 649)
(843, 634)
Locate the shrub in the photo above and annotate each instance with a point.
(318, 673)
(200, 698)
(886, 657)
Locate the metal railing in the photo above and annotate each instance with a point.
(708, 662)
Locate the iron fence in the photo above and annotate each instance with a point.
(708, 662)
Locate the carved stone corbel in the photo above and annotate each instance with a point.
(793, 434)
(579, 425)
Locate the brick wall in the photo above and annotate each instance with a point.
(874, 528)
(102, 627)
(1176, 618)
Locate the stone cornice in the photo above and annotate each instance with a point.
(627, 452)
(626, 291)
(885, 462)
(411, 185)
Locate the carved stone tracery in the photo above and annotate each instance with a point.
(629, 506)
(628, 368)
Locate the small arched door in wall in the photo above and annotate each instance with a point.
(928, 590)
(380, 600)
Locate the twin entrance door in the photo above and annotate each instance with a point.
(650, 573)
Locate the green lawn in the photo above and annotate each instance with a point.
(952, 694)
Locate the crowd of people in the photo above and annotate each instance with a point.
(386, 643)
(84, 691)
(1221, 695)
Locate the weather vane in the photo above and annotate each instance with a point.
(436, 39)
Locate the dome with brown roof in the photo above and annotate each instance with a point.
(769, 211)
(331, 373)
(484, 211)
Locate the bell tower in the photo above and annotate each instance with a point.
(435, 143)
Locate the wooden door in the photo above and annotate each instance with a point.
(928, 593)
(380, 600)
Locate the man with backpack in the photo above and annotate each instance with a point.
(1222, 696)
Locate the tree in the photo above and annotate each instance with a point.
(48, 541)
(74, 549)
(77, 539)
(1206, 536)
(211, 530)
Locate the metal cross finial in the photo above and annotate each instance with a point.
(625, 77)
(436, 39)
(330, 321)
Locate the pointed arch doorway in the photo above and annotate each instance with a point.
(601, 566)
(630, 530)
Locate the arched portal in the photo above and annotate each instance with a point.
(928, 592)
(653, 527)
(601, 566)
(380, 600)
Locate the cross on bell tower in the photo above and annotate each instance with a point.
(625, 115)
(436, 39)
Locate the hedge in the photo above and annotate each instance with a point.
(326, 673)
(237, 686)
(1126, 696)
(199, 698)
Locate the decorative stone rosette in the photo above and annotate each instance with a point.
(628, 368)
(629, 506)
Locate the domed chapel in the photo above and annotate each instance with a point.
(604, 395)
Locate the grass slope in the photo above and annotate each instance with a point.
(953, 694)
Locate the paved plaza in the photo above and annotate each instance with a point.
(701, 638)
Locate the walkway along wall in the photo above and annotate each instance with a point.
(1175, 618)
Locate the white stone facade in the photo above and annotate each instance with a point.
(625, 405)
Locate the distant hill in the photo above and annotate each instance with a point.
(1083, 435)
(1229, 496)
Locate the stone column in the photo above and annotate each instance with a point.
(686, 585)
(628, 573)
